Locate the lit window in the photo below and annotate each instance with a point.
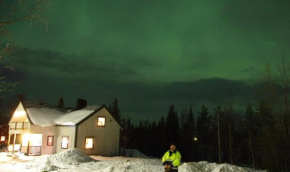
(2, 138)
(35, 140)
(64, 142)
(90, 143)
(49, 140)
(101, 121)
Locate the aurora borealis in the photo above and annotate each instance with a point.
(151, 54)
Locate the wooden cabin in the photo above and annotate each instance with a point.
(37, 129)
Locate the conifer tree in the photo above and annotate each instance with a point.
(172, 126)
(115, 110)
(61, 102)
(250, 130)
(203, 124)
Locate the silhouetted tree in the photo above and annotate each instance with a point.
(172, 126)
(203, 124)
(114, 109)
(61, 102)
(250, 131)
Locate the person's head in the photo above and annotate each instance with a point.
(172, 147)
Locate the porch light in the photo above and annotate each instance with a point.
(19, 113)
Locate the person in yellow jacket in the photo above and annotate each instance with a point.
(171, 159)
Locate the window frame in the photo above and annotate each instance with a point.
(62, 141)
(48, 144)
(98, 121)
(89, 137)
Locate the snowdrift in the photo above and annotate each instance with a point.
(133, 153)
(69, 157)
(74, 160)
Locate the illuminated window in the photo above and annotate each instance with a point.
(64, 142)
(2, 138)
(49, 140)
(101, 121)
(35, 140)
(90, 143)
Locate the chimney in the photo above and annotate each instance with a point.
(81, 103)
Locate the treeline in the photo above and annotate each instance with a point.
(254, 138)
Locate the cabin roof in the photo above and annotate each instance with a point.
(47, 115)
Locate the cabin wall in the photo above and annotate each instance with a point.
(106, 139)
(63, 131)
(46, 131)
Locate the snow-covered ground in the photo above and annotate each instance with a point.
(75, 161)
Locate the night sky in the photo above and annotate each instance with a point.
(151, 53)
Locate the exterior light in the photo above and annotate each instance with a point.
(19, 113)
(195, 139)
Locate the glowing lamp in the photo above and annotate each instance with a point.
(19, 113)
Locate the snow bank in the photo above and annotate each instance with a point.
(74, 160)
(132, 153)
(204, 166)
(69, 157)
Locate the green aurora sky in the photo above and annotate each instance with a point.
(151, 53)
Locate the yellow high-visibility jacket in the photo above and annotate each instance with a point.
(175, 158)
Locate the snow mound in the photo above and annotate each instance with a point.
(132, 153)
(204, 166)
(69, 157)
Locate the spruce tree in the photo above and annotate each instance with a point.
(115, 110)
(250, 131)
(172, 126)
(61, 102)
(203, 124)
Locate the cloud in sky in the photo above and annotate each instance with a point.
(51, 75)
(151, 54)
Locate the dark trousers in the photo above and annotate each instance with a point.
(173, 170)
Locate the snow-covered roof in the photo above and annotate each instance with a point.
(50, 117)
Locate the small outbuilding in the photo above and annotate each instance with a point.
(37, 129)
